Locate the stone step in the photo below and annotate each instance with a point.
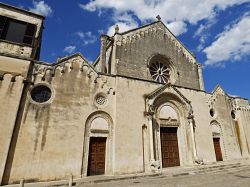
(202, 169)
(222, 167)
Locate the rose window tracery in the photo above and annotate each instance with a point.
(159, 72)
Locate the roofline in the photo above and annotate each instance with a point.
(143, 26)
(154, 82)
(61, 60)
(22, 10)
(179, 40)
(128, 31)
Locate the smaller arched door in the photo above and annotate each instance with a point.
(98, 145)
(216, 131)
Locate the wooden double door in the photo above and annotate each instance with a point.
(217, 149)
(97, 152)
(169, 147)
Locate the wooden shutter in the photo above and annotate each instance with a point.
(29, 34)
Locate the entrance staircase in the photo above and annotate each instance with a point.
(219, 167)
(224, 166)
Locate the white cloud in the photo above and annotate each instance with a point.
(230, 45)
(202, 41)
(42, 8)
(86, 37)
(177, 11)
(177, 27)
(203, 33)
(70, 49)
(124, 21)
(122, 27)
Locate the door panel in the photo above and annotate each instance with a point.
(169, 147)
(217, 149)
(97, 149)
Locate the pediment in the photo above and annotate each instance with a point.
(171, 93)
(167, 88)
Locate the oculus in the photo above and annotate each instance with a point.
(100, 100)
(40, 94)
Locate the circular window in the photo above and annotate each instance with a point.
(40, 94)
(159, 72)
(233, 114)
(100, 100)
(211, 112)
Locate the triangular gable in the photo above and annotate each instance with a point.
(161, 89)
(158, 25)
(170, 89)
(218, 90)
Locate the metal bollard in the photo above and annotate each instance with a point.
(70, 180)
(21, 183)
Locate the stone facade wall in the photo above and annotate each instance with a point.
(50, 140)
(11, 87)
(134, 52)
(13, 66)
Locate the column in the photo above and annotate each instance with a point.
(201, 82)
(103, 53)
(151, 138)
(193, 138)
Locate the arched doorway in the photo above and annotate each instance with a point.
(172, 142)
(98, 143)
(169, 123)
(217, 140)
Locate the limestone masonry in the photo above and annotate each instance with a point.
(141, 107)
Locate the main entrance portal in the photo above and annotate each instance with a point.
(169, 147)
(97, 150)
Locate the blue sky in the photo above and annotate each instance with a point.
(216, 31)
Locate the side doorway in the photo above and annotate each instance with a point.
(217, 140)
(97, 152)
(217, 149)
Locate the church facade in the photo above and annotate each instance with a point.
(140, 107)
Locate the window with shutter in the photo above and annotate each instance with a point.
(16, 31)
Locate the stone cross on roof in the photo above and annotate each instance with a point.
(158, 17)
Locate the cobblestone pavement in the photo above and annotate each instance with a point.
(234, 178)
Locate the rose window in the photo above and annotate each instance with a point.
(101, 100)
(159, 72)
